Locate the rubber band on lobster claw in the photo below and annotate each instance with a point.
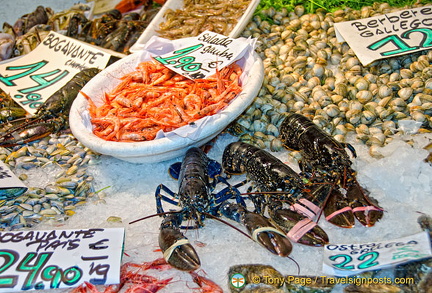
(299, 228)
(365, 209)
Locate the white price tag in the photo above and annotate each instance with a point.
(10, 185)
(350, 259)
(388, 35)
(33, 78)
(201, 56)
(49, 259)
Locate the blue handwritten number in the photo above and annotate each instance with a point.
(10, 257)
(345, 260)
(369, 260)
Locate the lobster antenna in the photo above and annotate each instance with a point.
(154, 215)
(296, 263)
(228, 224)
(234, 227)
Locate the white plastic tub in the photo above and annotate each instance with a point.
(178, 4)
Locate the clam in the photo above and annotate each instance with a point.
(308, 71)
(405, 93)
(364, 96)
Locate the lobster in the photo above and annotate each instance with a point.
(277, 184)
(197, 176)
(51, 116)
(325, 161)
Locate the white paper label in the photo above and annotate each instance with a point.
(388, 35)
(350, 259)
(48, 259)
(33, 78)
(201, 56)
(10, 184)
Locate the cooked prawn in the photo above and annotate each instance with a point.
(154, 98)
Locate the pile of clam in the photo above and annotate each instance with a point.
(308, 71)
(63, 162)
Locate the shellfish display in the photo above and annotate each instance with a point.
(383, 110)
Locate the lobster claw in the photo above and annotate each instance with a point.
(365, 209)
(177, 250)
(299, 228)
(175, 247)
(338, 211)
(260, 228)
(263, 232)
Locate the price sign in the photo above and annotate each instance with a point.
(388, 35)
(350, 259)
(48, 259)
(10, 185)
(33, 78)
(201, 56)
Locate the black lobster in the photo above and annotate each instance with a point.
(290, 203)
(325, 161)
(197, 176)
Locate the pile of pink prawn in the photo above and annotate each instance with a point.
(154, 98)
(134, 279)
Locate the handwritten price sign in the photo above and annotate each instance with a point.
(350, 259)
(10, 185)
(388, 35)
(31, 80)
(201, 56)
(36, 260)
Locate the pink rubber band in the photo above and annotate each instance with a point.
(366, 209)
(310, 205)
(302, 210)
(335, 213)
(300, 229)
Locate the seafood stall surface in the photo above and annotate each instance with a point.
(400, 182)
(357, 108)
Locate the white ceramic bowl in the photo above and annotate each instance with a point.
(176, 142)
(178, 4)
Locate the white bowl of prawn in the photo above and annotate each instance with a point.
(167, 145)
(153, 27)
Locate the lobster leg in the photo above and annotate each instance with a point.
(176, 248)
(259, 227)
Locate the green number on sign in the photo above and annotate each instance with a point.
(369, 260)
(427, 36)
(181, 52)
(32, 68)
(10, 257)
(42, 82)
(33, 269)
(345, 259)
(401, 46)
